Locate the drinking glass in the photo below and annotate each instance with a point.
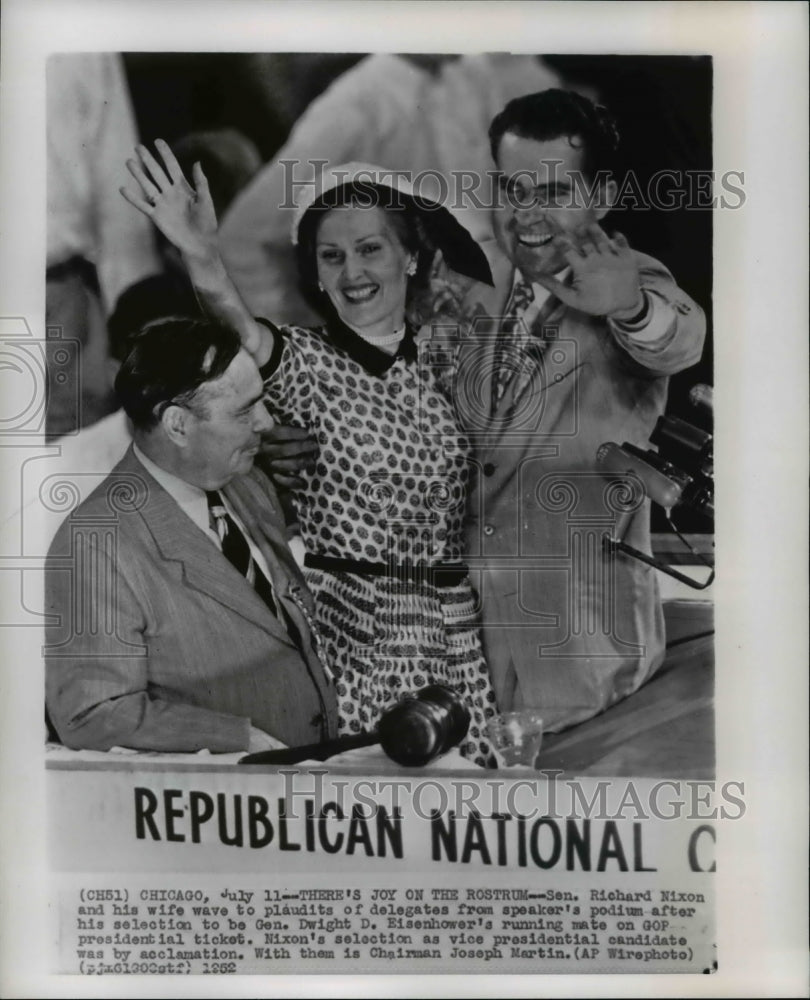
(516, 737)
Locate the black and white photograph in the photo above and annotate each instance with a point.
(359, 532)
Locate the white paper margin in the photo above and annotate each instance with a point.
(760, 313)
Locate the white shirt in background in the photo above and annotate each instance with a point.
(90, 135)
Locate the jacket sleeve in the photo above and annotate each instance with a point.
(97, 666)
(680, 321)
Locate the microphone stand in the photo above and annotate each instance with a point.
(614, 544)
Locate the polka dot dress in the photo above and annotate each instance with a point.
(388, 488)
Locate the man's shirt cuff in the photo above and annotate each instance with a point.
(653, 324)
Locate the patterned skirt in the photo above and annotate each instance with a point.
(385, 637)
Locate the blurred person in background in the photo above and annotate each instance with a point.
(228, 159)
(94, 252)
(164, 290)
(417, 113)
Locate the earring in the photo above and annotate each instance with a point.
(410, 270)
(320, 287)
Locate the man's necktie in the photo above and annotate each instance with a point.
(522, 297)
(519, 348)
(236, 549)
(508, 354)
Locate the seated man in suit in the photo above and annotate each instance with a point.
(581, 336)
(178, 617)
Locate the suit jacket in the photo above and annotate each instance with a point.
(566, 629)
(156, 642)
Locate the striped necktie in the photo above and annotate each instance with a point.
(522, 297)
(508, 353)
(519, 348)
(236, 549)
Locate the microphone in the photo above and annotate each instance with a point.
(659, 483)
(681, 446)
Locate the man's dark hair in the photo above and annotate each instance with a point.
(158, 296)
(169, 361)
(551, 114)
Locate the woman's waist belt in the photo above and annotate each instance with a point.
(439, 574)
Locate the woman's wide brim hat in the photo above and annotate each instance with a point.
(460, 251)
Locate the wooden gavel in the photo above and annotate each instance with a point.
(413, 732)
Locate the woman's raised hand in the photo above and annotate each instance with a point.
(184, 214)
(186, 217)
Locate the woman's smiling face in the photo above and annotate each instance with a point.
(362, 266)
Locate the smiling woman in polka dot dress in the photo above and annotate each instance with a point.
(381, 511)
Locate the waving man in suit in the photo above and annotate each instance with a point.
(178, 618)
(579, 336)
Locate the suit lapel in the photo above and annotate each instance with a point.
(203, 566)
